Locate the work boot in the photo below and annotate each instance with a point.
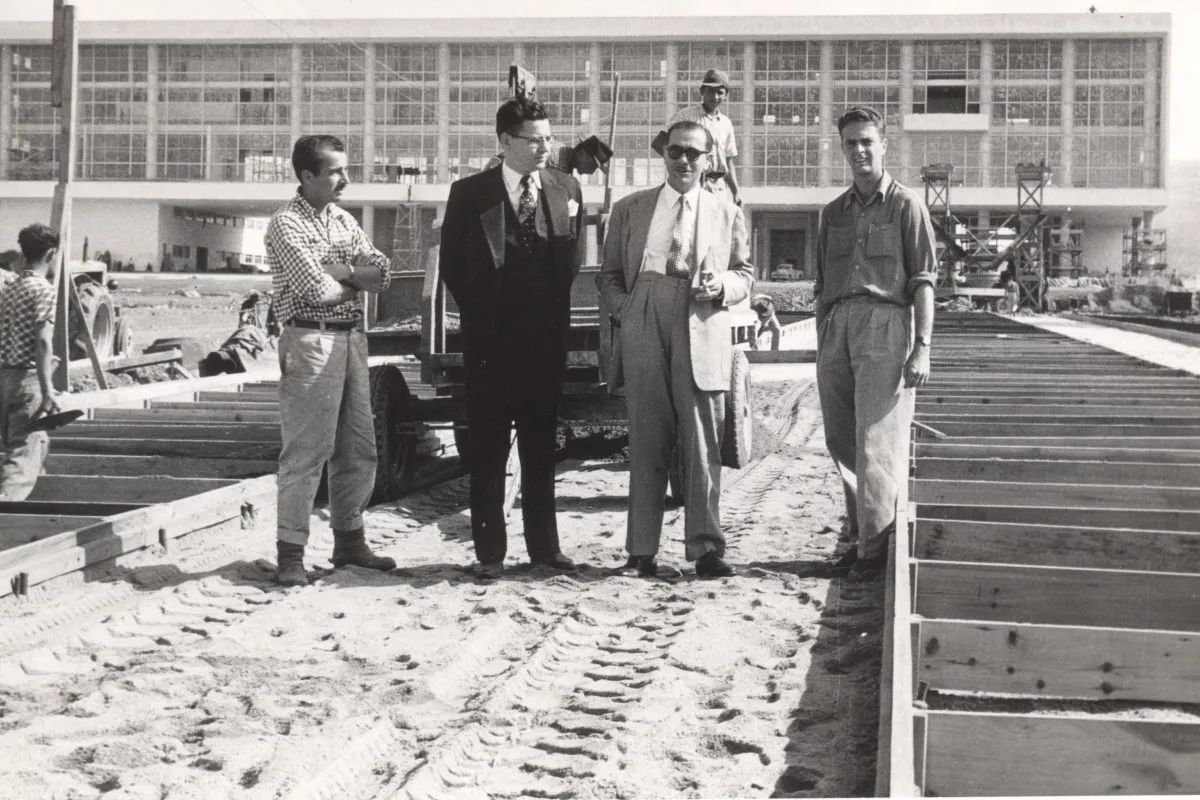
(291, 565)
(350, 547)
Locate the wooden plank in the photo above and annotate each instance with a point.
(126, 395)
(1047, 471)
(191, 514)
(214, 405)
(1052, 661)
(1072, 417)
(1155, 519)
(1095, 495)
(155, 465)
(241, 431)
(1145, 444)
(965, 427)
(66, 508)
(1058, 596)
(120, 490)
(21, 529)
(950, 449)
(122, 363)
(1055, 409)
(1033, 396)
(1057, 545)
(986, 381)
(895, 769)
(161, 415)
(192, 448)
(81, 535)
(254, 394)
(975, 754)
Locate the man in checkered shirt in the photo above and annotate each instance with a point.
(26, 362)
(322, 262)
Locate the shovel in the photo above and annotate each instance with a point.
(54, 421)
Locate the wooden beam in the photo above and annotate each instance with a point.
(177, 466)
(67, 508)
(1018, 411)
(211, 405)
(950, 449)
(1105, 443)
(1156, 519)
(975, 754)
(1070, 417)
(104, 429)
(125, 395)
(253, 394)
(1058, 596)
(1057, 545)
(1054, 472)
(1094, 495)
(192, 448)
(1033, 396)
(895, 774)
(986, 381)
(80, 534)
(21, 529)
(120, 490)
(1065, 428)
(1052, 661)
(161, 415)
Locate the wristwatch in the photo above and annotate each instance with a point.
(923, 340)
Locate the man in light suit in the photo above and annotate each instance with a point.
(510, 249)
(675, 258)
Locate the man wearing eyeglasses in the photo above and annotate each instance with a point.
(675, 258)
(509, 253)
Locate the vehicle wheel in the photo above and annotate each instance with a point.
(98, 317)
(735, 444)
(675, 478)
(395, 443)
(462, 443)
(123, 338)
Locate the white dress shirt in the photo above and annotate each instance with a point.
(662, 228)
(512, 182)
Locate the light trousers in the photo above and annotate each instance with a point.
(25, 450)
(666, 408)
(861, 351)
(325, 419)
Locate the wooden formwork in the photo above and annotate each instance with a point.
(1045, 629)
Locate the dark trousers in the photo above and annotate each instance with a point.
(517, 383)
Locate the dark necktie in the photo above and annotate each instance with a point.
(526, 211)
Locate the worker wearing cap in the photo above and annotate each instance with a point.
(714, 90)
(26, 362)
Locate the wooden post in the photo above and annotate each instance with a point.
(64, 71)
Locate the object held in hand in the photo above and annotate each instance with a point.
(54, 420)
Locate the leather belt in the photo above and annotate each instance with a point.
(342, 325)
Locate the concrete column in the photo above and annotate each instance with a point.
(671, 104)
(518, 56)
(595, 102)
(368, 153)
(210, 153)
(294, 91)
(828, 120)
(745, 136)
(986, 83)
(1066, 122)
(1151, 158)
(6, 119)
(443, 114)
(368, 222)
(906, 166)
(151, 112)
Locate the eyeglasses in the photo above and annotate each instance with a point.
(548, 141)
(675, 151)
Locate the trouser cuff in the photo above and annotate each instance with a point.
(292, 537)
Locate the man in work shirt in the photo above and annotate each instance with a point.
(322, 262)
(714, 89)
(875, 273)
(26, 362)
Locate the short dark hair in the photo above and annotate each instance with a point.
(516, 112)
(862, 114)
(691, 125)
(306, 155)
(36, 240)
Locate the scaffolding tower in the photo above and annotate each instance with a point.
(1029, 247)
(1144, 250)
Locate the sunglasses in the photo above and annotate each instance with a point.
(674, 152)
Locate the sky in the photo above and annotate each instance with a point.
(1183, 123)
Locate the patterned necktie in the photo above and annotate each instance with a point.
(680, 239)
(526, 211)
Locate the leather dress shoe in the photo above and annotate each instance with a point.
(711, 565)
(556, 561)
(847, 560)
(489, 570)
(641, 566)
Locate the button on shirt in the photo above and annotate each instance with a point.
(881, 248)
(719, 126)
(25, 303)
(512, 183)
(662, 229)
(298, 241)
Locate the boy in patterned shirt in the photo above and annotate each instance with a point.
(26, 330)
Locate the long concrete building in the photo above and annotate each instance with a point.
(185, 128)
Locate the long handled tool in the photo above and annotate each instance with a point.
(612, 137)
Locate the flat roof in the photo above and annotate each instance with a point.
(588, 29)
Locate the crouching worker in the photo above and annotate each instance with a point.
(764, 307)
(26, 336)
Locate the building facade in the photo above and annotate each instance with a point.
(185, 128)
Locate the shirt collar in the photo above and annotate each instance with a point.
(716, 112)
(673, 196)
(512, 178)
(881, 192)
(307, 207)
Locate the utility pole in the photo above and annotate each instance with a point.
(64, 71)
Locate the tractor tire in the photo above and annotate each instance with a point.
(99, 317)
(736, 441)
(123, 338)
(396, 446)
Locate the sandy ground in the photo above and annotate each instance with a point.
(194, 676)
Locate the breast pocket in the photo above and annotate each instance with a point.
(881, 241)
(841, 242)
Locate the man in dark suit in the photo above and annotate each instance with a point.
(510, 249)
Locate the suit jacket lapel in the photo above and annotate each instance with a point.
(706, 214)
(556, 201)
(491, 216)
(639, 230)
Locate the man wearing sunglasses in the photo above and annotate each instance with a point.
(675, 258)
(714, 90)
(509, 253)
